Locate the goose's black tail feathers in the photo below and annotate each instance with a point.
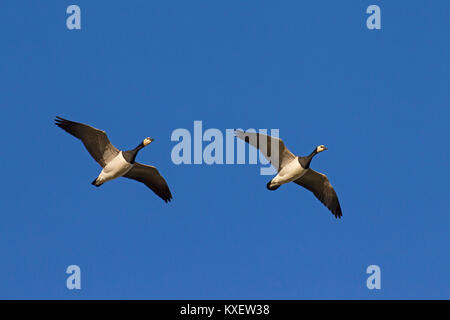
(94, 183)
(271, 188)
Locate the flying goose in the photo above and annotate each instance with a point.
(116, 163)
(294, 168)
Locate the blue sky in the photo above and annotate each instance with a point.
(378, 99)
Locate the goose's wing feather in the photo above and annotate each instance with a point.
(96, 141)
(150, 176)
(264, 144)
(318, 184)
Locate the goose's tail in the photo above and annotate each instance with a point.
(275, 187)
(96, 183)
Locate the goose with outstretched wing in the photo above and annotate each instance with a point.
(293, 168)
(116, 163)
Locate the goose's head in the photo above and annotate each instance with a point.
(321, 148)
(147, 141)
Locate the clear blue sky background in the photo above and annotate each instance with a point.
(378, 99)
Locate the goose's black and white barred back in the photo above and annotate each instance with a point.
(116, 163)
(293, 168)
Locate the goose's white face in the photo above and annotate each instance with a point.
(321, 148)
(147, 141)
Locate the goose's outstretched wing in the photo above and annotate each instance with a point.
(272, 148)
(96, 141)
(318, 184)
(150, 176)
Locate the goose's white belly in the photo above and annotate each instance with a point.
(117, 167)
(292, 171)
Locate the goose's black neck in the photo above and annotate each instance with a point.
(130, 155)
(306, 161)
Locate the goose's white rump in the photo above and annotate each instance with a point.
(116, 168)
(290, 172)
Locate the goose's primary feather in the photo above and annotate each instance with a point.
(96, 141)
(321, 187)
(150, 176)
